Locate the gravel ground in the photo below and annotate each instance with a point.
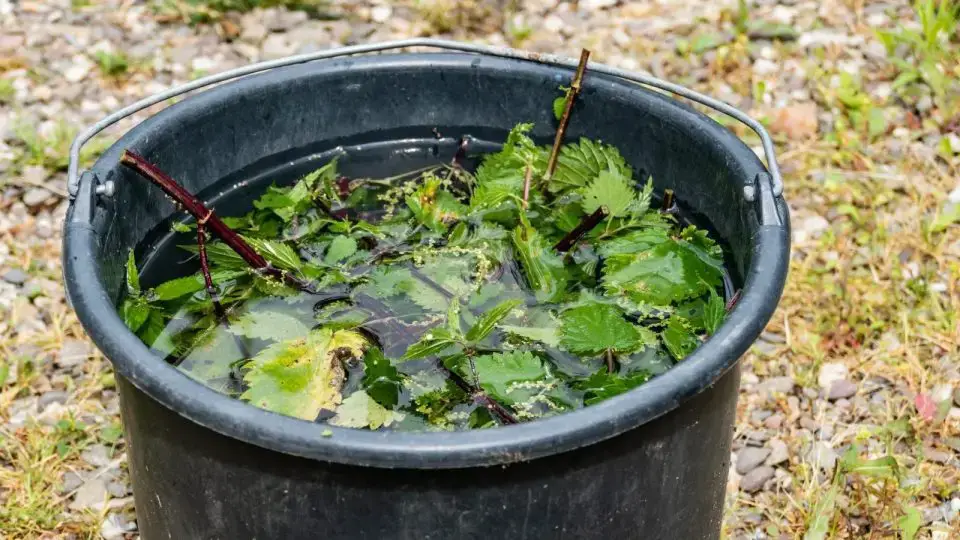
(861, 362)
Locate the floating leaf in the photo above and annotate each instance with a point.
(134, 312)
(269, 325)
(594, 328)
(714, 312)
(299, 377)
(499, 372)
(603, 385)
(359, 410)
(431, 344)
(679, 338)
(340, 248)
(486, 323)
(176, 288)
(664, 273)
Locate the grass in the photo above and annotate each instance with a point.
(7, 91)
(112, 64)
(208, 11)
(52, 150)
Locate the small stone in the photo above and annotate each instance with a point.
(15, 276)
(937, 456)
(750, 458)
(71, 481)
(597, 4)
(91, 494)
(115, 527)
(755, 479)
(796, 121)
(774, 422)
(54, 396)
(277, 46)
(759, 416)
(552, 24)
(96, 455)
(841, 389)
(756, 437)
(74, 352)
(925, 103)
(822, 456)
(776, 385)
(35, 196)
(779, 452)
(381, 14)
(810, 393)
(830, 373)
(118, 489)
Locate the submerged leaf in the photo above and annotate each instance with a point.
(340, 248)
(679, 338)
(594, 328)
(381, 379)
(276, 253)
(269, 325)
(603, 385)
(361, 411)
(176, 288)
(498, 373)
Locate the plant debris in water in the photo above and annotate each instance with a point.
(442, 299)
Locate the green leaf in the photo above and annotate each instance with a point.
(818, 524)
(593, 328)
(662, 273)
(714, 312)
(948, 216)
(909, 524)
(486, 323)
(300, 377)
(176, 288)
(340, 248)
(610, 190)
(220, 255)
(276, 253)
(559, 105)
(381, 379)
(679, 338)
(707, 42)
(542, 266)
(883, 467)
(431, 344)
(359, 410)
(269, 325)
(602, 385)
(771, 30)
(134, 312)
(579, 163)
(133, 278)
(548, 336)
(498, 373)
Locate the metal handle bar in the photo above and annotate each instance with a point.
(73, 177)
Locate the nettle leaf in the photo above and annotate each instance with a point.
(134, 312)
(177, 288)
(580, 163)
(603, 385)
(359, 410)
(269, 325)
(505, 169)
(388, 281)
(340, 248)
(498, 373)
(276, 253)
(220, 255)
(435, 207)
(679, 338)
(610, 190)
(661, 274)
(594, 328)
(546, 335)
(133, 277)
(381, 379)
(698, 238)
(714, 312)
(431, 344)
(542, 266)
(488, 321)
(300, 377)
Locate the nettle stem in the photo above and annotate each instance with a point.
(207, 278)
(527, 176)
(668, 206)
(499, 411)
(189, 202)
(586, 225)
(565, 118)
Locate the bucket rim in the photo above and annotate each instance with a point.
(763, 284)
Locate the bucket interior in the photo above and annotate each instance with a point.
(378, 115)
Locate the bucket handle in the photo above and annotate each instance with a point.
(106, 189)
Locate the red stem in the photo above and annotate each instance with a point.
(207, 278)
(585, 226)
(189, 202)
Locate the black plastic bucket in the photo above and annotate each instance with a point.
(651, 463)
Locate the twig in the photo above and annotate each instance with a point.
(611, 365)
(189, 202)
(733, 301)
(526, 185)
(565, 119)
(583, 228)
(668, 202)
(207, 278)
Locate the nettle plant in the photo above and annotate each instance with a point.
(441, 299)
